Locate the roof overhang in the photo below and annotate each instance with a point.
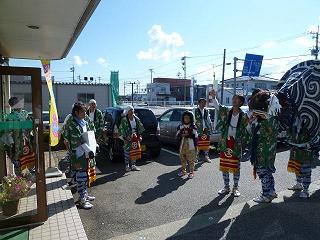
(42, 29)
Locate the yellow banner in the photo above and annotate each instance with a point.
(54, 119)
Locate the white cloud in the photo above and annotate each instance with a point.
(278, 67)
(162, 45)
(102, 61)
(78, 61)
(304, 41)
(269, 44)
(312, 29)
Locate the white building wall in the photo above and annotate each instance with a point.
(65, 95)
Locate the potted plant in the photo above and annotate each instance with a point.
(12, 189)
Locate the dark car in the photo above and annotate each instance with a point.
(150, 144)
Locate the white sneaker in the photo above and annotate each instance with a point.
(224, 190)
(135, 168)
(207, 159)
(90, 198)
(296, 187)
(262, 199)
(236, 192)
(85, 204)
(304, 194)
(128, 169)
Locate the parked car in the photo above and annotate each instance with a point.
(150, 144)
(170, 120)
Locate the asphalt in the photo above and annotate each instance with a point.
(156, 199)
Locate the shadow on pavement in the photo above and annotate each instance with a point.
(167, 183)
(292, 219)
(212, 206)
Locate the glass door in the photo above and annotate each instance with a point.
(22, 165)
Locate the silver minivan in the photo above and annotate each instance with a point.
(170, 120)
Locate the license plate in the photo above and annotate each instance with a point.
(143, 148)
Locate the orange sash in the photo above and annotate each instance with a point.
(228, 162)
(294, 167)
(135, 150)
(204, 142)
(92, 174)
(28, 157)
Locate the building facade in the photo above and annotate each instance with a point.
(245, 86)
(65, 94)
(177, 87)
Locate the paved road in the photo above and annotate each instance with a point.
(156, 204)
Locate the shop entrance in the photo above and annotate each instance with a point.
(21, 148)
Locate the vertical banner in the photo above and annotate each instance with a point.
(114, 82)
(54, 119)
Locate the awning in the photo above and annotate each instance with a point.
(42, 29)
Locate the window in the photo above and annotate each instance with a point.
(260, 85)
(227, 85)
(163, 89)
(242, 84)
(166, 116)
(147, 117)
(227, 100)
(176, 115)
(85, 97)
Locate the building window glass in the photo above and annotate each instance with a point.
(227, 100)
(85, 97)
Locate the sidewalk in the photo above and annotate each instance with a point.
(64, 221)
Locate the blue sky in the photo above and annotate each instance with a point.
(133, 36)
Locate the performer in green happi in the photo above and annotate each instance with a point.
(96, 116)
(232, 123)
(76, 125)
(300, 159)
(130, 131)
(264, 107)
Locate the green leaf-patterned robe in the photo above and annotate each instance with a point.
(73, 134)
(267, 142)
(98, 122)
(242, 136)
(126, 131)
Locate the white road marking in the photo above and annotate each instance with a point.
(204, 220)
(168, 151)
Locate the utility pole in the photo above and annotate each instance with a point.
(223, 71)
(72, 70)
(184, 67)
(132, 83)
(151, 72)
(235, 75)
(315, 51)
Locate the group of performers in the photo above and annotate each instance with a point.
(256, 130)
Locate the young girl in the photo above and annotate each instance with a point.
(187, 136)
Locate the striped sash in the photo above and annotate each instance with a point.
(28, 158)
(203, 142)
(228, 162)
(294, 167)
(92, 174)
(135, 151)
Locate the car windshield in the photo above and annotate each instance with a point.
(146, 116)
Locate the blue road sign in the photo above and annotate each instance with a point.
(252, 65)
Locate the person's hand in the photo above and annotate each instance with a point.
(252, 118)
